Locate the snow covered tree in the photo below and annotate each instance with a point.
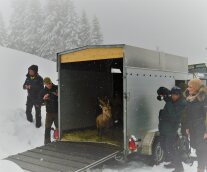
(84, 31)
(51, 41)
(70, 30)
(96, 35)
(33, 23)
(17, 25)
(3, 33)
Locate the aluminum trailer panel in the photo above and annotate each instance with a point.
(142, 107)
(64, 157)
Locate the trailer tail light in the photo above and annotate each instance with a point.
(132, 145)
(55, 134)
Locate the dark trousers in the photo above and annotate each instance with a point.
(169, 145)
(29, 105)
(202, 157)
(50, 118)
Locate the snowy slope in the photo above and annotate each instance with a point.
(18, 135)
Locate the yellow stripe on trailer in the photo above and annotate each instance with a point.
(92, 54)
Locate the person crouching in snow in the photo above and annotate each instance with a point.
(196, 96)
(49, 96)
(33, 84)
(169, 120)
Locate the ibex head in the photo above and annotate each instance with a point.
(105, 106)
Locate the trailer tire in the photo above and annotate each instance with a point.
(157, 152)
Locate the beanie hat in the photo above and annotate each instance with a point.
(196, 83)
(34, 68)
(47, 80)
(176, 90)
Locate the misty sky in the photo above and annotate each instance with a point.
(173, 26)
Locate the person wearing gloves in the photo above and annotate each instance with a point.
(196, 96)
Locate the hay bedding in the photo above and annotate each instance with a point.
(113, 136)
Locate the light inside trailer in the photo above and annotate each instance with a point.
(115, 70)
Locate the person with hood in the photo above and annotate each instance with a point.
(49, 97)
(196, 96)
(169, 120)
(33, 84)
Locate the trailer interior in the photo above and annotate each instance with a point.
(82, 83)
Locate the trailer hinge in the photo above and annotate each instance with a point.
(126, 95)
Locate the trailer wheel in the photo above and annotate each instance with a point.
(157, 152)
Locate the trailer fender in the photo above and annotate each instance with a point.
(147, 143)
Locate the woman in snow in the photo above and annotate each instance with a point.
(196, 120)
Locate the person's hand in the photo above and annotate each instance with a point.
(205, 136)
(46, 97)
(27, 87)
(187, 131)
(55, 93)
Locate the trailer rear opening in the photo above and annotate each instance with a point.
(130, 73)
(83, 82)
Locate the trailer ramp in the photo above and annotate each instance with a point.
(65, 157)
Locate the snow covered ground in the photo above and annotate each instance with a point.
(140, 167)
(18, 135)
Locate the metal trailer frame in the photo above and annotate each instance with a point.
(144, 71)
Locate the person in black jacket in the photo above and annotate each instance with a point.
(196, 120)
(33, 84)
(169, 120)
(49, 96)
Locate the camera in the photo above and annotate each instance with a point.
(163, 94)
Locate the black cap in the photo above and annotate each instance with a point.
(34, 68)
(176, 90)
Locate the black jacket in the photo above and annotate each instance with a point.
(52, 102)
(36, 84)
(170, 117)
(196, 116)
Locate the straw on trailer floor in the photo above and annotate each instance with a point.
(112, 136)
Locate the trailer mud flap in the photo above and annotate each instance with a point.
(65, 157)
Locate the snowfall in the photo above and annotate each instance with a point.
(17, 135)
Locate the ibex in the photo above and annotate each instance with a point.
(104, 120)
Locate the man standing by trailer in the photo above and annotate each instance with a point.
(169, 120)
(49, 96)
(33, 84)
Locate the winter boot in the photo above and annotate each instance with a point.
(47, 136)
(38, 124)
(47, 141)
(30, 119)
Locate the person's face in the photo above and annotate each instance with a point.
(49, 86)
(31, 72)
(175, 97)
(191, 89)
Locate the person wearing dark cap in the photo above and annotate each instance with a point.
(196, 96)
(33, 84)
(49, 96)
(169, 120)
